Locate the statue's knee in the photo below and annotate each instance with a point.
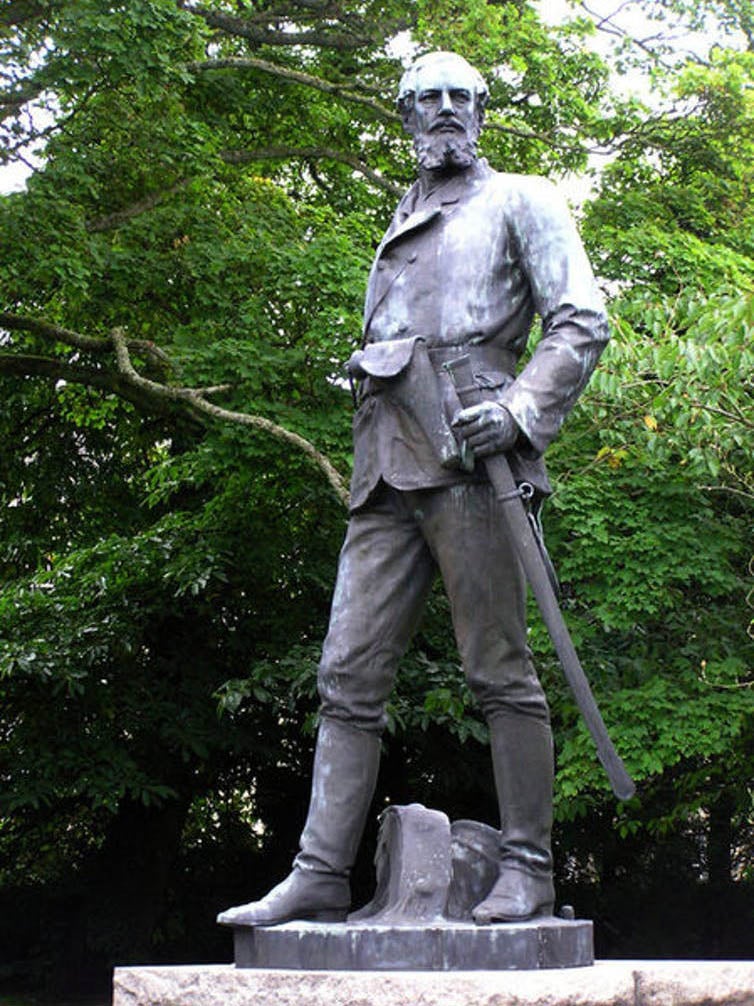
(512, 693)
(361, 707)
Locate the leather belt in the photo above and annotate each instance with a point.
(483, 355)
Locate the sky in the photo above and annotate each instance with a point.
(627, 16)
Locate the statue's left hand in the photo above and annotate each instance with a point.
(488, 428)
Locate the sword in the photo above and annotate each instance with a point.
(518, 527)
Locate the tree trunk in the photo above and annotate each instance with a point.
(720, 840)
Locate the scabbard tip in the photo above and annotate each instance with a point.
(625, 790)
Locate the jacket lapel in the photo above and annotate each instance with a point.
(412, 222)
(408, 220)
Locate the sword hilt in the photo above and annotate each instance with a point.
(462, 376)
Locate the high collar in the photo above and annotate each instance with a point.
(425, 193)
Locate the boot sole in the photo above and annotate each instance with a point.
(493, 917)
(315, 915)
(325, 915)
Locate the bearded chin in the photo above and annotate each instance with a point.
(445, 151)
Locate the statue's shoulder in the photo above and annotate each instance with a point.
(525, 199)
(518, 188)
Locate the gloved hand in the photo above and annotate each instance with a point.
(488, 428)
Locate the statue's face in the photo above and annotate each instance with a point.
(445, 119)
(444, 99)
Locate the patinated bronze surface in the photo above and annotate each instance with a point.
(430, 876)
(469, 260)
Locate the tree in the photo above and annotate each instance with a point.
(180, 282)
(664, 481)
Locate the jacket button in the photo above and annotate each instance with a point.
(413, 257)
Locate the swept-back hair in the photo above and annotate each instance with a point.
(407, 86)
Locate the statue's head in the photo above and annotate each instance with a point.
(441, 99)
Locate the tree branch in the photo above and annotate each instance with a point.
(606, 25)
(91, 344)
(737, 417)
(348, 93)
(312, 153)
(19, 11)
(146, 394)
(18, 365)
(194, 397)
(13, 100)
(33, 135)
(149, 202)
(727, 489)
(119, 217)
(249, 28)
(298, 77)
(527, 134)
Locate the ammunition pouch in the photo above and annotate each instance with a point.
(401, 370)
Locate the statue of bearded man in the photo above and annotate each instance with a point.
(471, 257)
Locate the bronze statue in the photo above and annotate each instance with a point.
(469, 259)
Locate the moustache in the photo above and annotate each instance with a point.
(448, 125)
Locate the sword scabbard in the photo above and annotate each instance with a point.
(517, 524)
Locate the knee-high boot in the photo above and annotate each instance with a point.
(345, 772)
(522, 757)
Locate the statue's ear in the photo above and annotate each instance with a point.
(407, 111)
(481, 105)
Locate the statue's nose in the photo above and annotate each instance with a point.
(446, 105)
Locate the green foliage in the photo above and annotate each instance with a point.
(546, 99)
(214, 183)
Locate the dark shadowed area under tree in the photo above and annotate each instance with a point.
(180, 282)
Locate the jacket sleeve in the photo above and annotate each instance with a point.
(565, 295)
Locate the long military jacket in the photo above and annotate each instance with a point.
(465, 268)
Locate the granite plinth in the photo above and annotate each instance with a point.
(428, 946)
(607, 983)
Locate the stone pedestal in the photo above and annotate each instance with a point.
(613, 983)
(440, 945)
